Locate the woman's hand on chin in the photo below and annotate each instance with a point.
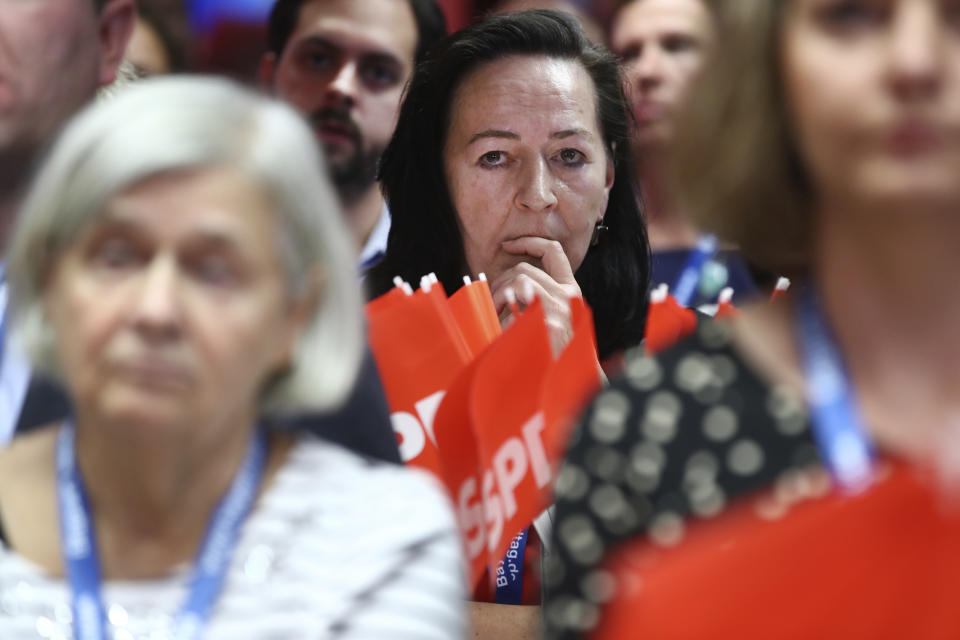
(554, 284)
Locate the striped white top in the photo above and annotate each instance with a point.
(337, 547)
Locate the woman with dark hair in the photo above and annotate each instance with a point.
(511, 157)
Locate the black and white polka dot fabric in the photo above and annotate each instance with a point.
(677, 437)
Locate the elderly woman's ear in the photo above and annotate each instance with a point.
(303, 308)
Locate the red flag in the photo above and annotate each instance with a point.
(475, 314)
(780, 289)
(419, 351)
(725, 308)
(470, 489)
(668, 322)
(571, 381)
(508, 421)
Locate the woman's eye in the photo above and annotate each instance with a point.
(492, 159)
(115, 253)
(572, 157)
(678, 43)
(851, 14)
(215, 271)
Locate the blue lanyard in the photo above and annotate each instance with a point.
(837, 425)
(510, 572)
(4, 313)
(210, 566)
(686, 286)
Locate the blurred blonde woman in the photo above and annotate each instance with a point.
(824, 140)
(181, 268)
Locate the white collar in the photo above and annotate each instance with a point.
(377, 240)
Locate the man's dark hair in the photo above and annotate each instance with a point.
(431, 24)
(425, 235)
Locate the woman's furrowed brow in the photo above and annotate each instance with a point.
(493, 133)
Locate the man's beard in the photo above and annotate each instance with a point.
(352, 174)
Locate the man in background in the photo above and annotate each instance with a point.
(344, 65)
(54, 55)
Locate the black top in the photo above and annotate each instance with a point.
(678, 436)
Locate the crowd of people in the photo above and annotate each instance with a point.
(194, 436)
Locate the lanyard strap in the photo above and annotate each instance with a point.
(686, 286)
(510, 571)
(4, 309)
(210, 565)
(837, 425)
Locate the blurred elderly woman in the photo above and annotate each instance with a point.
(181, 268)
(511, 157)
(824, 141)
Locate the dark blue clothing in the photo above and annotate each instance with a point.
(725, 269)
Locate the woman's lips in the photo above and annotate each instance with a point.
(915, 138)
(648, 112)
(155, 372)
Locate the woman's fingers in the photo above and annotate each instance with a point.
(548, 252)
(516, 275)
(527, 286)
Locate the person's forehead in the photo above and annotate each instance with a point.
(526, 89)
(53, 15)
(649, 18)
(385, 26)
(206, 200)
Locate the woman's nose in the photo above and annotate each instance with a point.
(157, 306)
(916, 49)
(536, 192)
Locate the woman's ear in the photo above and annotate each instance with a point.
(611, 166)
(300, 315)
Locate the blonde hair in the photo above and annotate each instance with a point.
(180, 123)
(734, 163)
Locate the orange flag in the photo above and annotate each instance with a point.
(780, 289)
(469, 489)
(882, 565)
(475, 314)
(570, 383)
(419, 351)
(507, 418)
(725, 308)
(503, 426)
(668, 322)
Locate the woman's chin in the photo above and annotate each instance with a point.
(154, 414)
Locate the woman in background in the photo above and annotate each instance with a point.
(825, 142)
(180, 266)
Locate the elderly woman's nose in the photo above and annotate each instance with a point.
(916, 49)
(157, 304)
(536, 188)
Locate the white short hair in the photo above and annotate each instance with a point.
(180, 123)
